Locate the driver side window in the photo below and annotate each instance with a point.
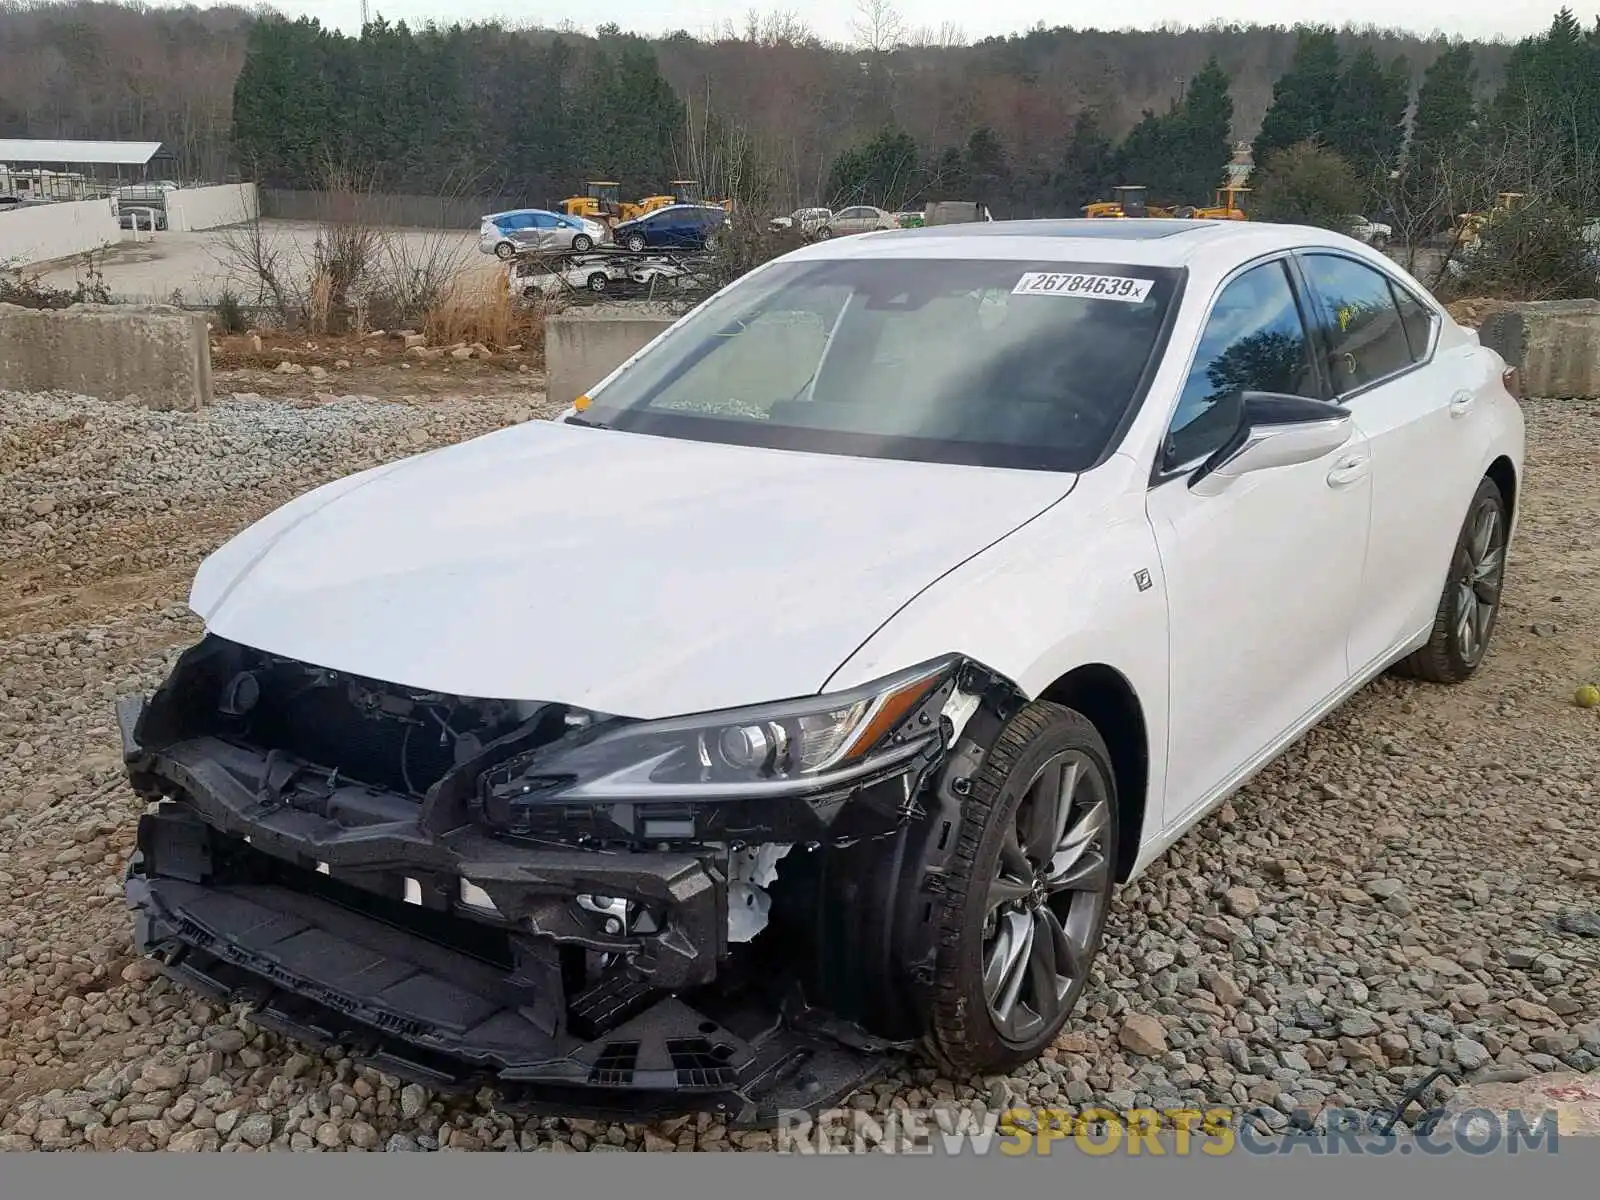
(1254, 341)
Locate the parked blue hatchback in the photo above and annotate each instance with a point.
(676, 227)
(505, 234)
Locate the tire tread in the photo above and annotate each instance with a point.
(948, 1038)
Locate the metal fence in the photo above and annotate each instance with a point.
(415, 212)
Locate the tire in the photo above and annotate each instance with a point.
(824, 232)
(1460, 637)
(965, 1035)
(598, 282)
(635, 242)
(505, 251)
(582, 242)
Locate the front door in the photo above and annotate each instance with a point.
(1264, 580)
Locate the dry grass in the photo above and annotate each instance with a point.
(482, 309)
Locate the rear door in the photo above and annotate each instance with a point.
(1417, 409)
(541, 230)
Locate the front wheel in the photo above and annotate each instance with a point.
(582, 242)
(1028, 890)
(1470, 602)
(598, 282)
(824, 233)
(635, 242)
(505, 251)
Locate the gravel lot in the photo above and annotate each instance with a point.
(1415, 883)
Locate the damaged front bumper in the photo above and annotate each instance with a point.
(572, 969)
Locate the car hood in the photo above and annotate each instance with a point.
(631, 574)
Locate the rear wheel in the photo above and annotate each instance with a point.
(1027, 892)
(1465, 619)
(598, 282)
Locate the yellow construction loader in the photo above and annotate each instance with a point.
(1130, 202)
(603, 202)
(1226, 205)
(1469, 225)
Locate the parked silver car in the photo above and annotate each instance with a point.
(859, 218)
(507, 234)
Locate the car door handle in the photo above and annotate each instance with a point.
(1349, 469)
(1461, 404)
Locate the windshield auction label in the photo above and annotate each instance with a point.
(1096, 287)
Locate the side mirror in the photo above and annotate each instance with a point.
(1273, 431)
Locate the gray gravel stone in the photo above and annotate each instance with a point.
(1473, 807)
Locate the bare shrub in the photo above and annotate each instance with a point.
(746, 242)
(482, 309)
(28, 290)
(1538, 251)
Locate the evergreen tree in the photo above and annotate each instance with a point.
(1089, 166)
(1442, 142)
(1181, 154)
(1201, 137)
(885, 171)
(283, 100)
(1367, 123)
(1303, 96)
(1545, 120)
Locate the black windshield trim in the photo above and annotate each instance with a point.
(760, 435)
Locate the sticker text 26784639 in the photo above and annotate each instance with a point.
(1096, 287)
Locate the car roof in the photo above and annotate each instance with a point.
(517, 212)
(1203, 246)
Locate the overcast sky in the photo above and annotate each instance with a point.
(832, 19)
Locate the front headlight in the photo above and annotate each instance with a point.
(790, 747)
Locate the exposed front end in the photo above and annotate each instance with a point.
(584, 911)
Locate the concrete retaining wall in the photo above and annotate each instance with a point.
(210, 207)
(581, 348)
(1554, 344)
(155, 355)
(42, 232)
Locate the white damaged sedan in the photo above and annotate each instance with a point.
(803, 693)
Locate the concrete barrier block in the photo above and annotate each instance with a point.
(581, 348)
(1554, 344)
(153, 355)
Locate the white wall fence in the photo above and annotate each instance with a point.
(41, 232)
(209, 207)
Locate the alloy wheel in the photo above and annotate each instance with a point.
(1480, 571)
(1046, 902)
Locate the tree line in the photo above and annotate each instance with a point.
(530, 111)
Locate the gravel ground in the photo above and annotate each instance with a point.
(1413, 884)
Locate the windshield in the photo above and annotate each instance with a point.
(995, 363)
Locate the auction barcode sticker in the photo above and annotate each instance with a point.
(1098, 287)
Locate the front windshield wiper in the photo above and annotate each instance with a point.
(585, 422)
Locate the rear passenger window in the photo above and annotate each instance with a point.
(1360, 321)
(1417, 318)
